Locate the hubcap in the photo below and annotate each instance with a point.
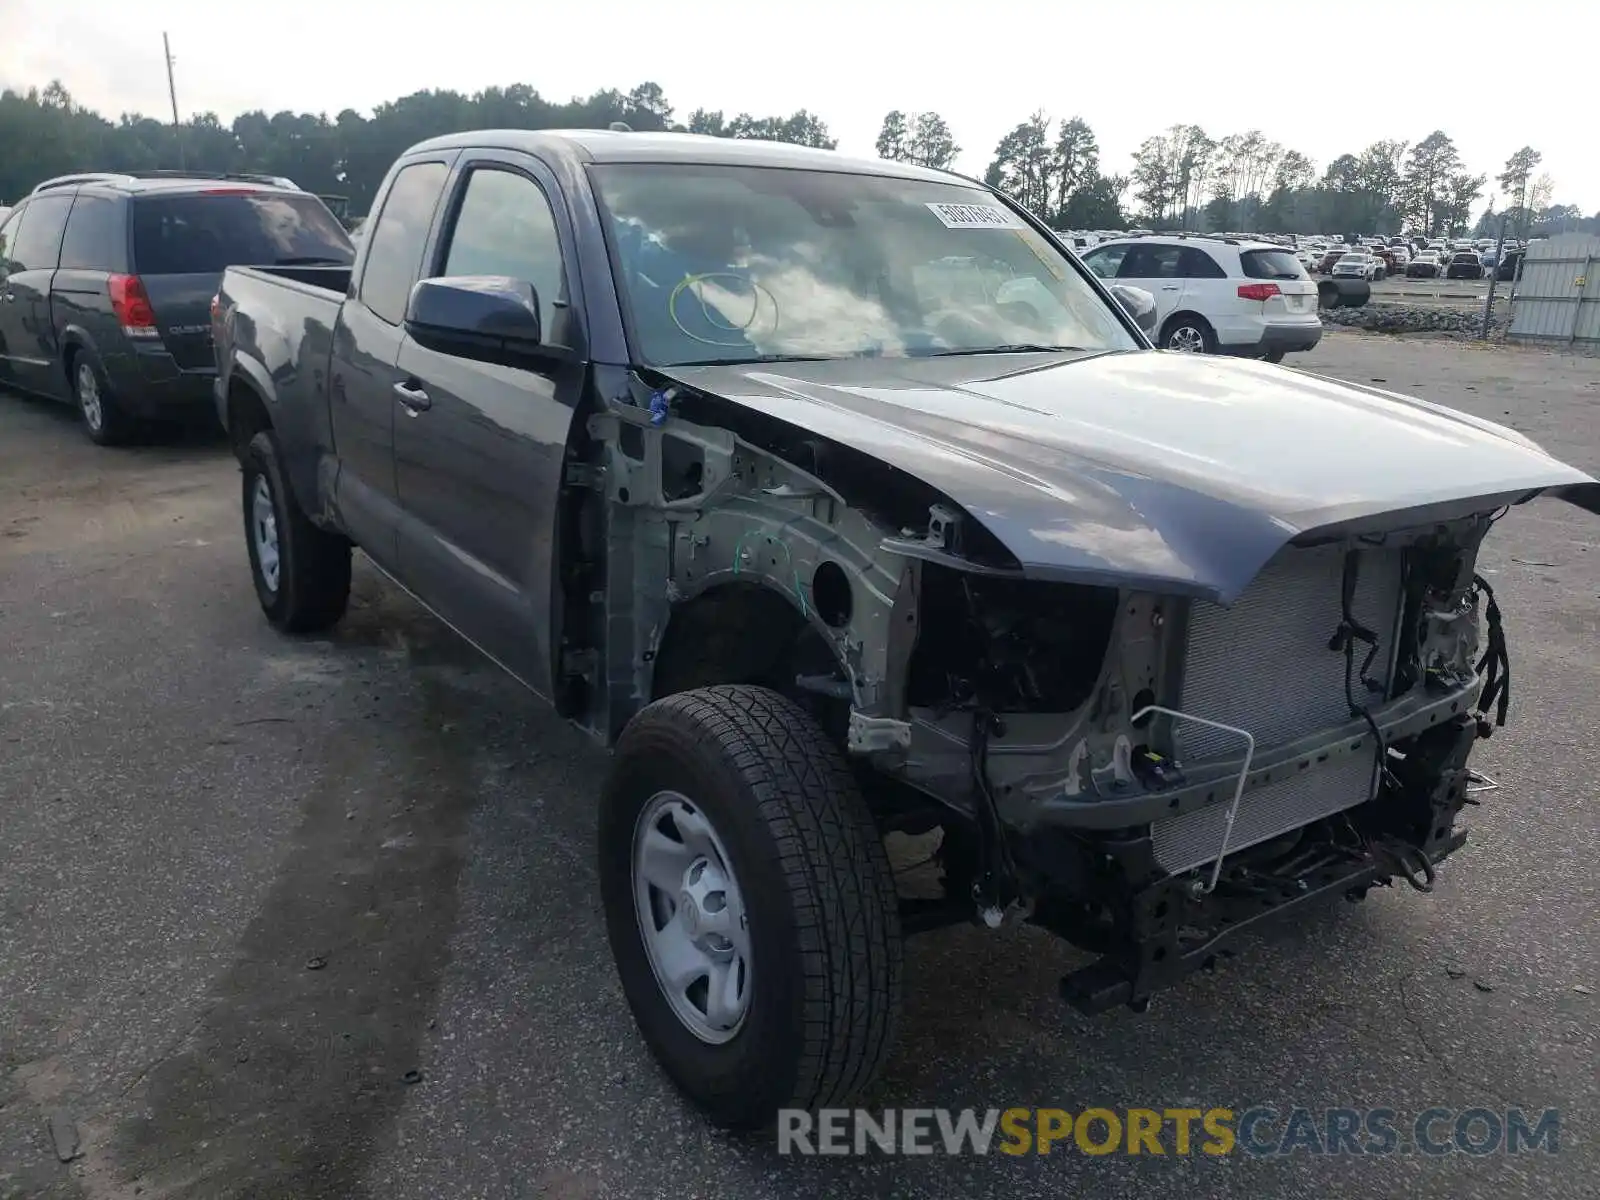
(1187, 339)
(692, 917)
(89, 396)
(264, 530)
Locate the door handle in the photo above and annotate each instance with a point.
(1171, 287)
(8, 297)
(414, 399)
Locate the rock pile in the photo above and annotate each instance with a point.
(1399, 318)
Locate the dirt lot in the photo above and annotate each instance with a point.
(249, 886)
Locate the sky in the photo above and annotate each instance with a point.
(1226, 65)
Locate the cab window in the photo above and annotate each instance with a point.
(505, 226)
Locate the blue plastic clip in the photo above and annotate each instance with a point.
(661, 405)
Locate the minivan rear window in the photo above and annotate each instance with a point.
(1271, 264)
(204, 233)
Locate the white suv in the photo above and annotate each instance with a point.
(1218, 295)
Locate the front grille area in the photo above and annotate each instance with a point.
(1264, 665)
(1180, 843)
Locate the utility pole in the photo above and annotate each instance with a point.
(172, 91)
(1494, 275)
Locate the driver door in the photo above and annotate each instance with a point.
(479, 446)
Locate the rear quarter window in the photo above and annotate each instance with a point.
(94, 240)
(205, 233)
(1271, 264)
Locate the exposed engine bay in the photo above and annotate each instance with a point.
(1142, 773)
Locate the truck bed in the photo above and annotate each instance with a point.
(315, 280)
(276, 333)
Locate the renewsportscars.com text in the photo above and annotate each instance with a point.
(1259, 1131)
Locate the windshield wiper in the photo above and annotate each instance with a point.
(758, 358)
(1012, 348)
(310, 260)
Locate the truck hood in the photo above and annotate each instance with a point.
(1167, 472)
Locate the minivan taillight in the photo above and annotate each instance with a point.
(1258, 291)
(132, 306)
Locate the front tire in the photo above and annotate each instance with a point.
(749, 904)
(301, 573)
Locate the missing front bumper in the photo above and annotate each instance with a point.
(1163, 958)
(1165, 927)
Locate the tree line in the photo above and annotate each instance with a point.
(45, 133)
(1186, 179)
(1182, 178)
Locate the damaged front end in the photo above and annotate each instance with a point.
(1217, 765)
(1145, 774)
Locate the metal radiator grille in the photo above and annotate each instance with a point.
(1180, 843)
(1264, 664)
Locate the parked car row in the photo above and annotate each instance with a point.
(106, 283)
(1466, 264)
(1376, 259)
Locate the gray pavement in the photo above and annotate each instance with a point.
(317, 918)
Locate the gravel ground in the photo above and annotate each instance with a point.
(318, 918)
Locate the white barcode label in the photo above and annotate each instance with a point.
(975, 216)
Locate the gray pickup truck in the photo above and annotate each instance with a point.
(839, 501)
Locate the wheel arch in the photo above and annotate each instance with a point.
(735, 631)
(250, 408)
(247, 413)
(75, 340)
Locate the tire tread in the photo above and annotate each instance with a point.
(833, 862)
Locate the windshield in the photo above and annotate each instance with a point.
(196, 233)
(726, 263)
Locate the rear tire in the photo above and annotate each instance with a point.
(802, 884)
(1189, 333)
(104, 419)
(1273, 356)
(301, 573)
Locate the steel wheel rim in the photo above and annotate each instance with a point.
(89, 397)
(264, 532)
(692, 917)
(1187, 340)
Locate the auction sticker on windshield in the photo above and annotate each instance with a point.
(975, 216)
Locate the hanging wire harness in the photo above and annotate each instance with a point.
(1494, 666)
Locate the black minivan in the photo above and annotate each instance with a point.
(106, 284)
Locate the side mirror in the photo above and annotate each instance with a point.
(475, 315)
(1138, 304)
